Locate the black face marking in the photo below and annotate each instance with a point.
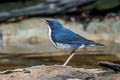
(49, 23)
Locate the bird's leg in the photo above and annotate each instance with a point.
(69, 58)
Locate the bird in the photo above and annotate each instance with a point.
(64, 38)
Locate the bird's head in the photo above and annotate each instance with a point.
(53, 23)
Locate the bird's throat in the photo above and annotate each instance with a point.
(49, 34)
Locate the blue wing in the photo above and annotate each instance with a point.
(69, 37)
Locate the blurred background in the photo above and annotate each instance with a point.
(24, 40)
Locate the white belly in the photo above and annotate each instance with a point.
(68, 46)
(63, 46)
(82, 46)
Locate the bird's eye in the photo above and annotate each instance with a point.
(48, 22)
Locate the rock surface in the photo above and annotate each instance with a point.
(55, 72)
(111, 77)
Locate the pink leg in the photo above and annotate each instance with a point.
(69, 58)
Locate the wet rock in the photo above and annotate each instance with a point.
(55, 72)
(116, 27)
(107, 29)
(110, 77)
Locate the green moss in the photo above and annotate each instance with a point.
(102, 5)
(10, 6)
(107, 4)
(18, 4)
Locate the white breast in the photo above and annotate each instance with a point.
(49, 34)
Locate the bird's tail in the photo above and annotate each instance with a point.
(98, 44)
(92, 43)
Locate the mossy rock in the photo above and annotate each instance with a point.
(116, 27)
(98, 27)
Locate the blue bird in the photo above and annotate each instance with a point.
(64, 38)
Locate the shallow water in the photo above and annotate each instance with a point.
(8, 62)
(16, 56)
(87, 58)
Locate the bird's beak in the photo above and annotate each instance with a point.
(45, 20)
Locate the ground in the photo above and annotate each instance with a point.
(53, 72)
